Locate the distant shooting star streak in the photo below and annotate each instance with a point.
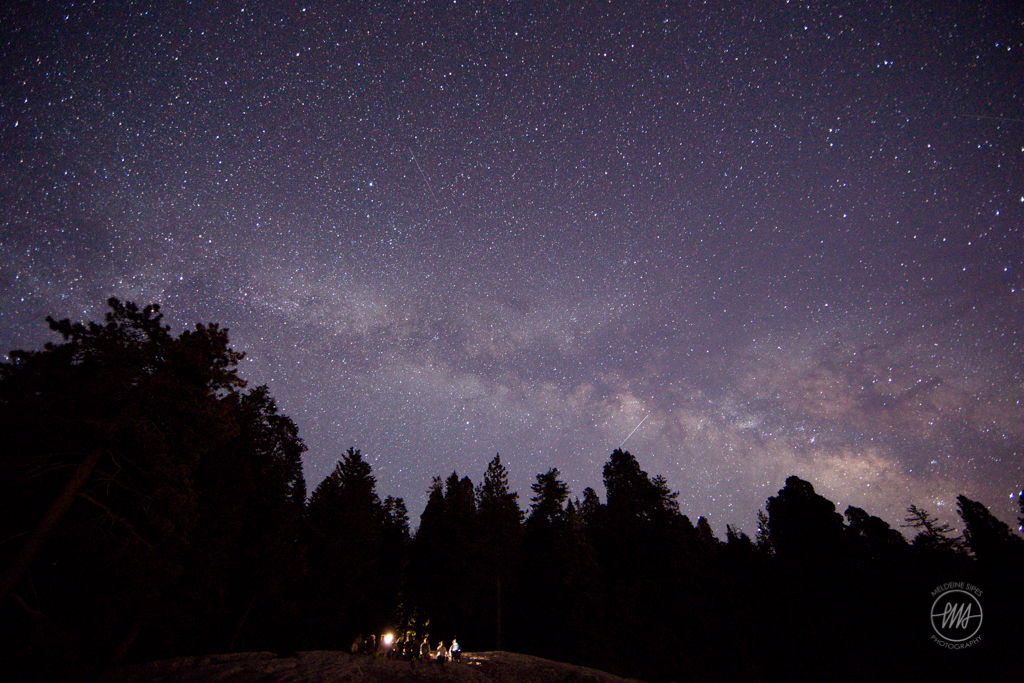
(426, 181)
(634, 430)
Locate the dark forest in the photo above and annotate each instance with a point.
(156, 507)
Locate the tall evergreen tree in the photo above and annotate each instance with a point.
(547, 566)
(497, 504)
(396, 517)
(628, 490)
(425, 570)
(348, 592)
(245, 556)
(547, 505)
(989, 538)
(445, 582)
(590, 506)
(498, 542)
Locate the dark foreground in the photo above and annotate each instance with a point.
(327, 665)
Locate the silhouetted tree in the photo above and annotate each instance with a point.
(649, 556)
(396, 516)
(444, 582)
(629, 492)
(737, 543)
(989, 538)
(807, 538)
(998, 556)
(763, 536)
(931, 534)
(704, 533)
(349, 592)
(590, 506)
(156, 507)
(499, 541)
(873, 536)
(560, 582)
(120, 442)
(547, 505)
(803, 526)
(395, 556)
(246, 556)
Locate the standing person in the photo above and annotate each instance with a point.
(357, 644)
(455, 651)
(442, 654)
(425, 647)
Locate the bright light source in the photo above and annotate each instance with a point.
(388, 638)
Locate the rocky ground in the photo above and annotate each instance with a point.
(324, 665)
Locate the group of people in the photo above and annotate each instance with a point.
(406, 649)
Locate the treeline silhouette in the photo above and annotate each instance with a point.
(155, 506)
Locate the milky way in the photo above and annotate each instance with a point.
(792, 235)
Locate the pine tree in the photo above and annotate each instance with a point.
(627, 488)
(547, 505)
(932, 534)
(245, 556)
(704, 533)
(396, 516)
(349, 591)
(548, 564)
(590, 506)
(499, 544)
(444, 561)
(989, 538)
(496, 504)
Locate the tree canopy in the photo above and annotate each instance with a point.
(157, 507)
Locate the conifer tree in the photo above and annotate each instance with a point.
(498, 541)
(349, 591)
(931, 534)
(547, 505)
(802, 525)
(989, 538)
(149, 492)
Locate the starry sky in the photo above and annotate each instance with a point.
(789, 235)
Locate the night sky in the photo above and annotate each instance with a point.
(790, 234)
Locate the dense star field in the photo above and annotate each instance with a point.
(791, 237)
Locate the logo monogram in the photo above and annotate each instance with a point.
(956, 615)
